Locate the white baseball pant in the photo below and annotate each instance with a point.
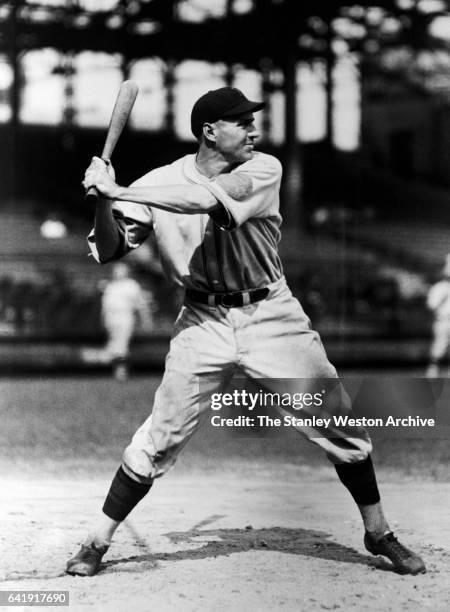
(271, 339)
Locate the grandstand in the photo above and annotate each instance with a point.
(26, 254)
(47, 285)
(421, 245)
(50, 293)
(52, 287)
(352, 289)
(357, 279)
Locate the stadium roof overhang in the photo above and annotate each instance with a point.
(273, 29)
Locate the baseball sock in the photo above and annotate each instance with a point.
(123, 495)
(374, 520)
(360, 480)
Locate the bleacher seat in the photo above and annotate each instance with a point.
(426, 243)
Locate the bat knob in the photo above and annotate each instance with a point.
(91, 196)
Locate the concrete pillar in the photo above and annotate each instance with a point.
(266, 68)
(293, 181)
(14, 101)
(169, 82)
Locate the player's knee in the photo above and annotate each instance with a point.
(144, 466)
(351, 453)
(359, 455)
(139, 463)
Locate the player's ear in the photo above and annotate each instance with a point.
(209, 132)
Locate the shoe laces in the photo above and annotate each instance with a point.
(91, 551)
(397, 549)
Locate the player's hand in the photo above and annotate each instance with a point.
(101, 175)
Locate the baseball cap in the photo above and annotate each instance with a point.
(220, 104)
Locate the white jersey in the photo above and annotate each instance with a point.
(439, 299)
(232, 249)
(123, 294)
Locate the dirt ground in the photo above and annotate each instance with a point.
(239, 524)
(252, 538)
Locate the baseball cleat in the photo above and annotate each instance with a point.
(87, 561)
(405, 561)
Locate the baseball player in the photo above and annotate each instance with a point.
(123, 302)
(438, 301)
(215, 215)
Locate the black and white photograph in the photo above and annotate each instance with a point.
(225, 305)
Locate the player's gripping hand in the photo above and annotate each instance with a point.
(101, 174)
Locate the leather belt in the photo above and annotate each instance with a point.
(229, 300)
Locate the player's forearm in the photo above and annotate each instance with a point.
(107, 237)
(182, 199)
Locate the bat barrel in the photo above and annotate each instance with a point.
(121, 111)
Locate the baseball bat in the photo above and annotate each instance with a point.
(121, 111)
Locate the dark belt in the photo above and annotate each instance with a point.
(229, 300)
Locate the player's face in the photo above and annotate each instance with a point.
(236, 137)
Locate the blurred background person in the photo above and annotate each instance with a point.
(438, 301)
(124, 305)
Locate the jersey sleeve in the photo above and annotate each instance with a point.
(251, 190)
(134, 223)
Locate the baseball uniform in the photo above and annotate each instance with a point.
(217, 227)
(233, 249)
(122, 302)
(439, 302)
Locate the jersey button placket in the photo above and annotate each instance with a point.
(205, 249)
